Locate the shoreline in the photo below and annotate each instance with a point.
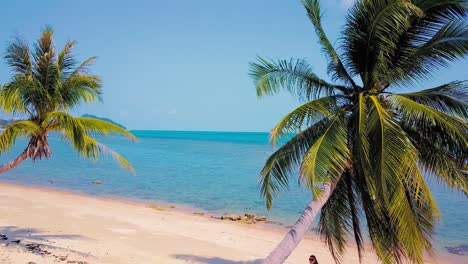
(176, 224)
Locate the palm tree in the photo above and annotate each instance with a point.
(44, 86)
(362, 149)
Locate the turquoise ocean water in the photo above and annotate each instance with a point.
(213, 171)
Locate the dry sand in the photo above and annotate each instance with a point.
(60, 227)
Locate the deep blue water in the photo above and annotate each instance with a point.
(213, 171)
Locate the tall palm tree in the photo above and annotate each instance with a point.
(44, 86)
(361, 148)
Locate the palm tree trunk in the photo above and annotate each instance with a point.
(14, 163)
(297, 232)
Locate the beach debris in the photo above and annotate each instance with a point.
(17, 241)
(3, 237)
(199, 213)
(232, 217)
(247, 218)
(458, 250)
(96, 182)
(37, 249)
(155, 207)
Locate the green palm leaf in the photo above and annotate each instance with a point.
(296, 76)
(400, 187)
(439, 156)
(306, 114)
(18, 57)
(93, 149)
(450, 98)
(12, 98)
(279, 166)
(78, 88)
(93, 125)
(66, 60)
(328, 157)
(339, 215)
(335, 66)
(79, 131)
(70, 126)
(12, 132)
(423, 117)
(371, 35)
(445, 46)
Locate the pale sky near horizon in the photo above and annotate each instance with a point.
(183, 65)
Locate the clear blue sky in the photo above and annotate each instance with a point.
(183, 65)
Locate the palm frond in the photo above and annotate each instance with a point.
(66, 60)
(339, 215)
(450, 98)
(442, 160)
(78, 131)
(448, 44)
(78, 88)
(360, 140)
(12, 99)
(424, 117)
(280, 165)
(335, 66)
(93, 125)
(400, 187)
(371, 36)
(334, 219)
(18, 57)
(44, 69)
(305, 114)
(68, 125)
(328, 157)
(384, 239)
(296, 76)
(411, 60)
(439, 155)
(93, 149)
(84, 67)
(12, 132)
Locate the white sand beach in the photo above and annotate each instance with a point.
(48, 226)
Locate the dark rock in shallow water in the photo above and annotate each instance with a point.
(232, 217)
(458, 250)
(249, 216)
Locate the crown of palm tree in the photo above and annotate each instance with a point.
(371, 144)
(44, 86)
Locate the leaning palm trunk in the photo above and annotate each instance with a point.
(38, 147)
(297, 232)
(14, 163)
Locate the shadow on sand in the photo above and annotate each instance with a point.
(213, 260)
(35, 240)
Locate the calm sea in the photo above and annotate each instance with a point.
(213, 171)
